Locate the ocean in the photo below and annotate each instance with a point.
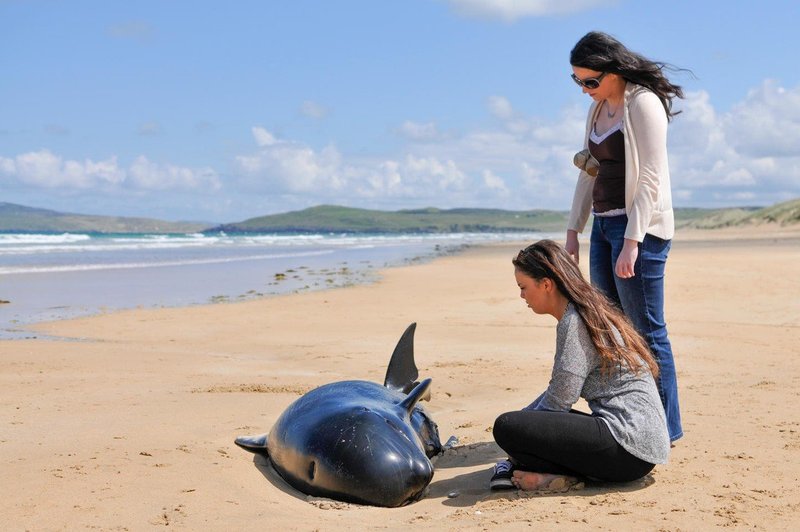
(46, 277)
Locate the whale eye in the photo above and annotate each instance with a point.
(311, 468)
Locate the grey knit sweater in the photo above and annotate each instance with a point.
(629, 403)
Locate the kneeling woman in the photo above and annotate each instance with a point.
(600, 357)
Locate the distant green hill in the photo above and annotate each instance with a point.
(18, 218)
(331, 218)
(710, 218)
(784, 214)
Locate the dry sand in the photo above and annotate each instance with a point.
(128, 423)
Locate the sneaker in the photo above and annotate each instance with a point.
(501, 479)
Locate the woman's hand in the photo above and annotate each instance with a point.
(627, 259)
(572, 245)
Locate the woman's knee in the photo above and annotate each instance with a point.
(501, 427)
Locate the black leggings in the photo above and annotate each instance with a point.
(566, 443)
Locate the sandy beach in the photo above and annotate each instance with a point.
(126, 421)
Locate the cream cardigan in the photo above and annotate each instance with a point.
(648, 198)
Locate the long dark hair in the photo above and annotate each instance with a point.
(547, 260)
(602, 52)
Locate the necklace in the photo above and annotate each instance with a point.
(609, 114)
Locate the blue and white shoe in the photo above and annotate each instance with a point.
(501, 479)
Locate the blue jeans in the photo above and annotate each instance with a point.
(641, 298)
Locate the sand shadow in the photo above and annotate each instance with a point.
(466, 489)
(459, 456)
(461, 490)
(470, 488)
(469, 455)
(264, 466)
(479, 489)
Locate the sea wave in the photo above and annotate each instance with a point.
(41, 244)
(31, 238)
(156, 264)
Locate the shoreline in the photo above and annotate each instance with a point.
(302, 278)
(46, 297)
(756, 236)
(133, 425)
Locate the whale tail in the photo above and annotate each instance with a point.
(402, 373)
(254, 444)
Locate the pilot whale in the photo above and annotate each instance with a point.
(358, 441)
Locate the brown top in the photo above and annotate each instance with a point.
(609, 187)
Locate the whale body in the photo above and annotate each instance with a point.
(357, 441)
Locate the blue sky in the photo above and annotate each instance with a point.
(221, 111)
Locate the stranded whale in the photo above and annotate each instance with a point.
(358, 441)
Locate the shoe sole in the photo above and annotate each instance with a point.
(501, 484)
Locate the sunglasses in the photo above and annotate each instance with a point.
(589, 83)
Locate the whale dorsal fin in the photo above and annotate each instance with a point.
(402, 371)
(254, 444)
(420, 391)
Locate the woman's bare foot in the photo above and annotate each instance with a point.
(532, 481)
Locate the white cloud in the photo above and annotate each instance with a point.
(289, 167)
(767, 122)
(284, 167)
(419, 132)
(494, 183)
(500, 107)
(511, 10)
(431, 171)
(533, 157)
(263, 137)
(45, 170)
(146, 175)
(420, 180)
(524, 162)
(750, 154)
(752, 151)
(8, 167)
(313, 110)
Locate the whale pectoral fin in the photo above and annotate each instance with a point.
(402, 371)
(419, 392)
(254, 444)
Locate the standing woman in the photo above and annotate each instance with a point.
(630, 197)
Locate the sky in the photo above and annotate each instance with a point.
(219, 111)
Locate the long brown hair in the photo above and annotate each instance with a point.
(602, 52)
(547, 260)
